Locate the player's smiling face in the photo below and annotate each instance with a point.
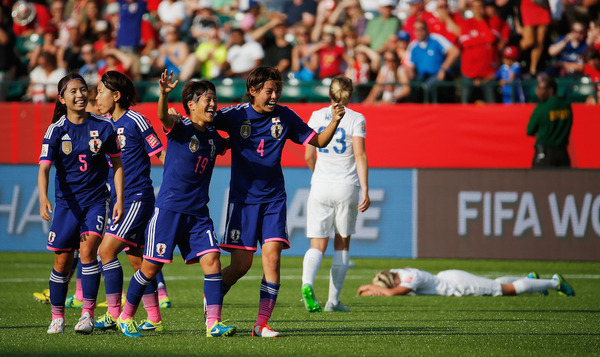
(203, 109)
(266, 99)
(105, 99)
(75, 96)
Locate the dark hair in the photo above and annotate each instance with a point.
(59, 108)
(118, 82)
(259, 76)
(193, 89)
(548, 81)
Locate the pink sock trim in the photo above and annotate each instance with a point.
(78, 290)
(114, 304)
(151, 305)
(213, 313)
(128, 311)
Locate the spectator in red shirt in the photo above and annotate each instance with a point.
(417, 12)
(478, 54)
(536, 19)
(29, 18)
(330, 55)
(592, 70)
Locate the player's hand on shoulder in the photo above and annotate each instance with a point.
(174, 114)
(338, 111)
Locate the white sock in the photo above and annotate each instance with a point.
(508, 279)
(529, 286)
(310, 265)
(337, 275)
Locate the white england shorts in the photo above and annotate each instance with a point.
(462, 283)
(331, 208)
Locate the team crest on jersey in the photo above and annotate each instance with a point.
(161, 248)
(95, 145)
(235, 235)
(276, 129)
(245, 131)
(120, 137)
(51, 237)
(67, 147)
(93, 133)
(213, 148)
(194, 144)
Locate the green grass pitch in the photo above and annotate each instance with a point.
(377, 326)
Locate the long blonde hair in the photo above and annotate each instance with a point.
(340, 90)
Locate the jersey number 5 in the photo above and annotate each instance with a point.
(83, 168)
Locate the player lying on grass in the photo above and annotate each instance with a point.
(459, 283)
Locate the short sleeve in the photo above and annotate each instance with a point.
(299, 131)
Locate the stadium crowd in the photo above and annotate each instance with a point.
(486, 49)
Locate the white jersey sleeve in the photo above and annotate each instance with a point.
(419, 281)
(335, 162)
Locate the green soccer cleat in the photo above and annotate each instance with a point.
(147, 325)
(43, 297)
(106, 322)
(535, 275)
(311, 303)
(564, 288)
(73, 303)
(165, 303)
(128, 327)
(219, 329)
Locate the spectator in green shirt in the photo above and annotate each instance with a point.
(382, 27)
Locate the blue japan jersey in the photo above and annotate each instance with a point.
(78, 152)
(189, 165)
(138, 141)
(257, 142)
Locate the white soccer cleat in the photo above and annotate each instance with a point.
(85, 324)
(331, 307)
(57, 326)
(264, 331)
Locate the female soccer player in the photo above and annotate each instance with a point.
(77, 142)
(340, 171)
(138, 142)
(459, 283)
(181, 215)
(257, 200)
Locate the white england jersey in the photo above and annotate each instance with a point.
(447, 283)
(336, 163)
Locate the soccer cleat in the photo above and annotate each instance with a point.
(85, 325)
(106, 322)
(219, 329)
(264, 331)
(165, 303)
(57, 326)
(535, 275)
(311, 303)
(43, 297)
(72, 302)
(331, 307)
(563, 287)
(147, 325)
(128, 327)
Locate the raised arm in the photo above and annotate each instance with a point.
(163, 99)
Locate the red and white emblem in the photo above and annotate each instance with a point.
(161, 248)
